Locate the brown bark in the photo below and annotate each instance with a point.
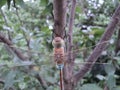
(68, 69)
(100, 47)
(41, 81)
(106, 88)
(59, 29)
(117, 48)
(59, 17)
(70, 32)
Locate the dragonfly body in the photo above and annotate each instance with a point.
(59, 55)
(58, 50)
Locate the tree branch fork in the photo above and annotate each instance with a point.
(68, 69)
(21, 56)
(94, 55)
(100, 47)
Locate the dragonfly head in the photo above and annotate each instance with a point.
(58, 42)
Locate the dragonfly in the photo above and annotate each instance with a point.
(76, 51)
(78, 61)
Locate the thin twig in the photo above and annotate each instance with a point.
(9, 43)
(4, 17)
(70, 32)
(6, 22)
(42, 81)
(117, 48)
(24, 34)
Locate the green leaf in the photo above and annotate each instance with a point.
(50, 88)
(44, 2)
(21, 3)
(2, 2)
(100, 77)
(48, 9)
(117, 88)
(97, 31)
(110, 69)
(111, 82)
(78, 9)
(51, 79)
(22, 85)
(90, 87)
(9, 80)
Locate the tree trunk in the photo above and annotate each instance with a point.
(59, 29)
(59, 17)
(71, 80)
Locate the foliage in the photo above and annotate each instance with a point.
(29, 24)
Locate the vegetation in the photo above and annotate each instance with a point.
(26, 33)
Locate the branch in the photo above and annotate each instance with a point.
(70, 32)
(68, 68)
(6, 22)
(10, 44)
(59, 7)
(100, 47)
(84, 6)
(2, 81)
(42, 82)
(117, 48)
(4, 17)
(39, 78)
(24, 34)
(106, 88)
(0, 40)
